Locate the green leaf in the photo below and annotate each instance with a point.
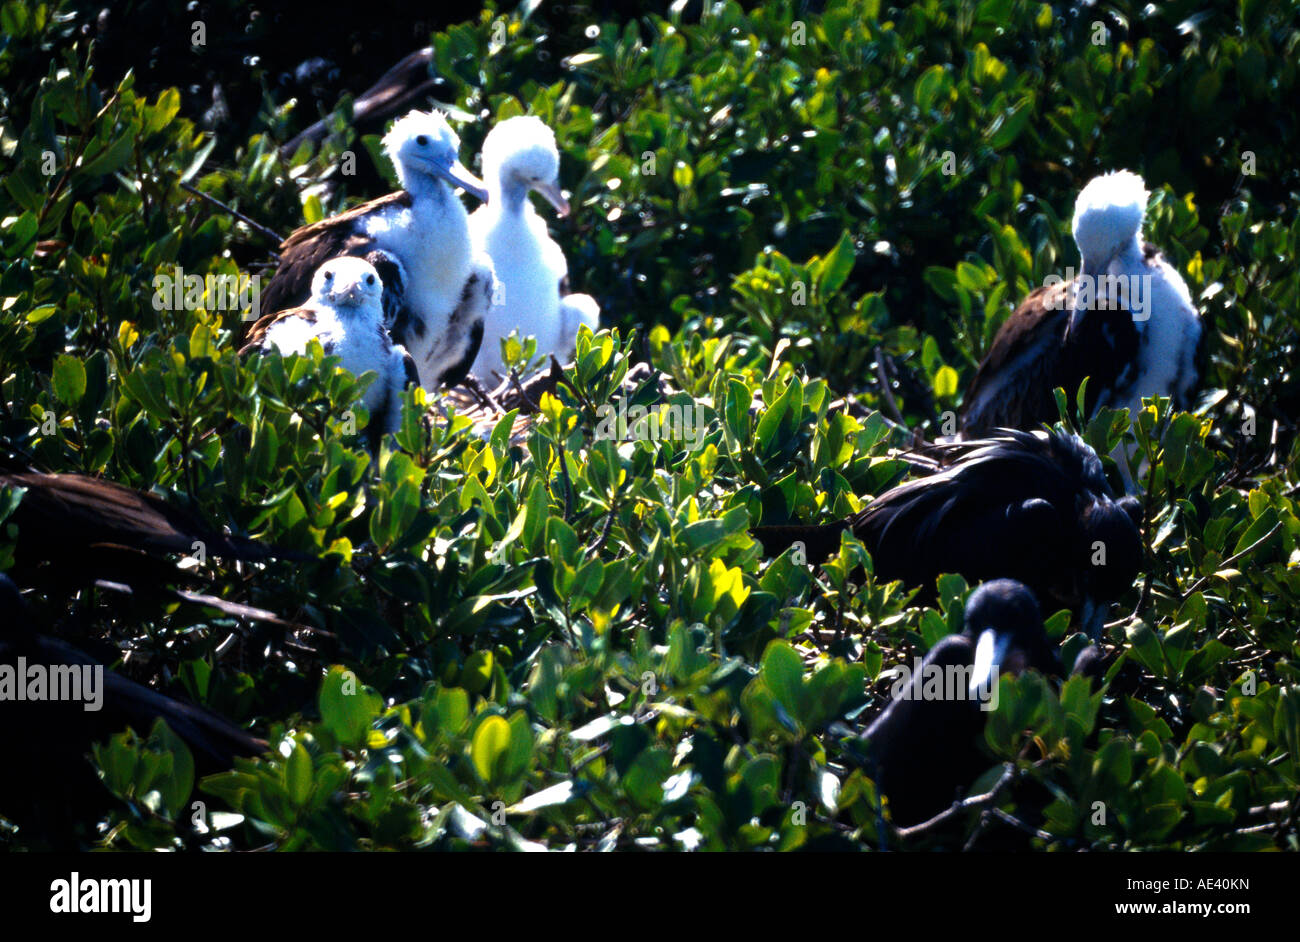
(837, 266)
(782, 672)
(346, 707)
(297, 775)
(928, 87)
(69, 380)
(490, 744)
(945, 382)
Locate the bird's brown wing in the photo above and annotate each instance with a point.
(1013, 386)
(62, 515)
(256, 338)
(308, 248)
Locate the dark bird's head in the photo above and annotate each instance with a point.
(1005, 625)
(1112, 557)
(519, 155)
(425, 152)
(348, 284)
(1107, 544)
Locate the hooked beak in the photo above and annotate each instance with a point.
(990, 653)
(553, 196)
(1094, 272)
(348, 295)
(457, 175)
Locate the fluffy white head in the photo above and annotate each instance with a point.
(1108, 216)
(424, 149)
(519, 154)
(347, 285)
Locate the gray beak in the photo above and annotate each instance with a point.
(457, 175)
(1094, 270)
(553, 196)
(347, 295)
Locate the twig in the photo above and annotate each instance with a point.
(887, 394)
(76, 158)
(974, 803)
(1008, 818)
(523, 393)
(1234, 557)
(484, 397)
(595, 548)
(568, 485)
(252, 224)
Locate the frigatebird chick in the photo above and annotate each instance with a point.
(1126, 321)
(923, 751)
(51, 784)
(1032, 506)
(346, 315)
(520, 155)
(437, 312)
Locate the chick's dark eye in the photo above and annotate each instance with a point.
(422, 141)
(329, 276)
(370, 279)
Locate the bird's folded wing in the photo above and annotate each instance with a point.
(308, 248)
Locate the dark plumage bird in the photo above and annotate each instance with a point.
(437, 311)
(76, 530)
(1127, 321)
(48, 783)
(1033, 506)
(923, 751)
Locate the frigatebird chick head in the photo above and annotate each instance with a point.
(1108, 216)
(1004, 621)
(519, 154)
(347, 284)
(425, 152)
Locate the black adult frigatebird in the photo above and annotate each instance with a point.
(923, 751)
(1032, 506)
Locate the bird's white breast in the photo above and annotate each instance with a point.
(432, 239)
(1168, 337)
(356, 341)
(362, 349)
(529, 266)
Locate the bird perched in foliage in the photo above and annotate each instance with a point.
(923, 751)
(1126, 321)
(437, 312)
(345, 313)
(1033, 506)
(75, 530)
(47, 740)
(519, 155)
